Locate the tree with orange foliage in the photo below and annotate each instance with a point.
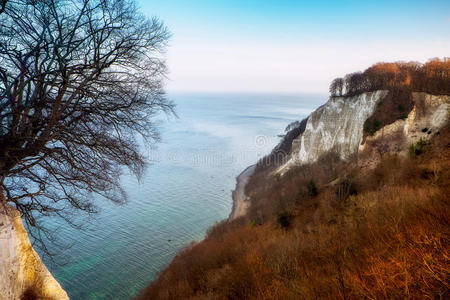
(432, 77)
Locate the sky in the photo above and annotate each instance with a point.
(289, 46)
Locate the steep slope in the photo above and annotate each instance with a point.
(22, 273)
(329, 227)
(335, 126)
(338, 126)
(352, 204)
(375, 234)
(428, 115)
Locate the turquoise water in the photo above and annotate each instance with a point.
(185, 190)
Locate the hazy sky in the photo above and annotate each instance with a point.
(293, 46)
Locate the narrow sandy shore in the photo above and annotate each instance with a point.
(240, 205)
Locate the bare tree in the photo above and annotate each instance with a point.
(340, 86)
(336, 87)
(80, 85)
(333, 88)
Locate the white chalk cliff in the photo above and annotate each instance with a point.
(338, 126)
(21, 269)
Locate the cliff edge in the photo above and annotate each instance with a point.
(352, 203)
(339, 126)
(22, 273)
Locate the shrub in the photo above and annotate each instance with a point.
(371, 127)
(412, 151)
(346, 189)
(421, 143)
(277, 176)
(312, 189)
(418, 148)
(284, 219)
(376, 124)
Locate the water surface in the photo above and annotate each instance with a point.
(185, 190)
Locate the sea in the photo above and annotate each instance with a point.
(185, 190)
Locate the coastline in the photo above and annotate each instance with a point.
(240, 203)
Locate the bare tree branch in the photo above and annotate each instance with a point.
(2, 5)
(80, 82)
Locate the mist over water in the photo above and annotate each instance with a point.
(184, 191)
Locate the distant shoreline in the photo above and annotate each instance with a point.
(240, 205)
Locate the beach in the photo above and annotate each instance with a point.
(240, 203)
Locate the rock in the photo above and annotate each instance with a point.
(429, 112)
(21, 269)
(337, 126)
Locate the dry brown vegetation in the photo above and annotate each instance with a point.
(375, 234)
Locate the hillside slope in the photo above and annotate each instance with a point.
(382, 233)
(352, 204)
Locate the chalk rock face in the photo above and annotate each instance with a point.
(337, 125)
(429, 114)
(21, 269)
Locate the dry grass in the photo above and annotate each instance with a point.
(389, 240)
